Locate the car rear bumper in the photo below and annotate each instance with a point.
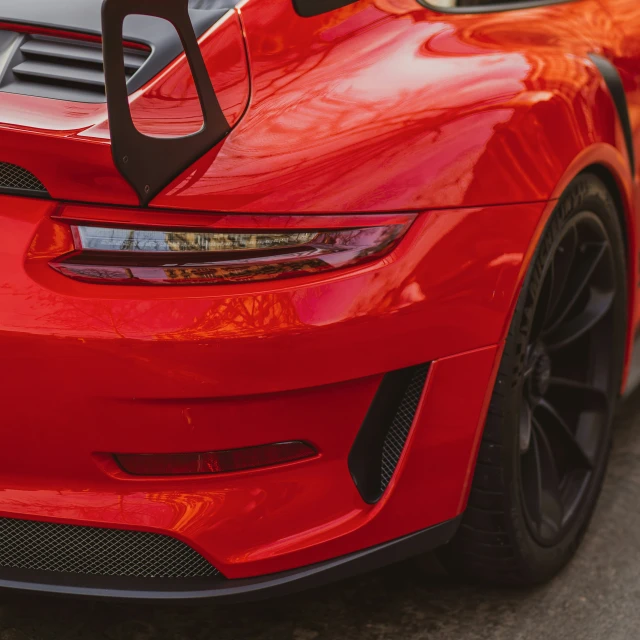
(92, 370)
(232, 591)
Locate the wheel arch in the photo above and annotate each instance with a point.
(628, 225)
(601, 150)
(612, 168)
(623, 206)
(614, 171)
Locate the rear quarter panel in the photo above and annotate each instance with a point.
(388, 105)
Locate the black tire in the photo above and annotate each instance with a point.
(514, 530)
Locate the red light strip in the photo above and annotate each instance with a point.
(213, 462)
(60, 33)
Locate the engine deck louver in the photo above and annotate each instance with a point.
(69, 33)
(63, 68)
(383, 435)
(18, 181)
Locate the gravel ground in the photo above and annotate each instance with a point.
(597, 597)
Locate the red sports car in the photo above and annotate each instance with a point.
(294, 288)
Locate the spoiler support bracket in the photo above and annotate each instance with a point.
(149, 163)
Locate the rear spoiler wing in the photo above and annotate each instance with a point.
(149, 163)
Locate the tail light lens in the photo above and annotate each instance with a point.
(173, 464)
(154, 255)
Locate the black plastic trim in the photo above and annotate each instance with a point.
(27, 193)
(60, 68)
(30, 184)
(365, 457)
(83, 16)
(616, 89)
(496, 7)
(309, 8)
(149, 163)
(229, 591)
(57, 49)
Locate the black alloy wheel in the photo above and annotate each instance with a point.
(547, 437)
(565, 404)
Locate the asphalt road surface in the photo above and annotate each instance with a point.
(597, 597)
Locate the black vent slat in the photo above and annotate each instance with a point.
(65, 548)
(55, 49)
(383, 435)
(60, 73)
(73, 20)
(65, 68)
(15, 179)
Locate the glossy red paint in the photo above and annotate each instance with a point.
(474, 122)
(140, 369)
(424, 136)
(427, 137)
(210, 462)
(620, 45)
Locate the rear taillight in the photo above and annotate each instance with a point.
(179, 464)
(103, 253)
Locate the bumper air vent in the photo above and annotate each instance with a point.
(382, 437)
(18, 181)
(64, 548)
(63, 68)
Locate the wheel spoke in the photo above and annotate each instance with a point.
(576, 282)
(561, 265)
(597, 307)
(530, 364)
(571, 444)
(551, 506)
(540, 485)
(526, 425)
(581, 394)
(531, 473)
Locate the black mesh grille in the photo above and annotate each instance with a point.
(401, 425)
(46, 546)
(383, 434)
(19, 179)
